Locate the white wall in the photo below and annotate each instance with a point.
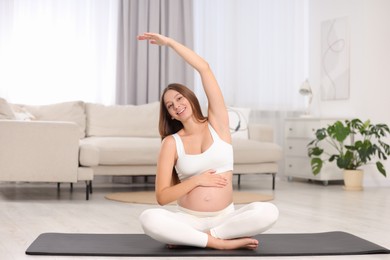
(369, 24)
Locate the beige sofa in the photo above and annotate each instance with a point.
(73, 141)
(43, 147)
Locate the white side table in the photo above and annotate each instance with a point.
(299, 132)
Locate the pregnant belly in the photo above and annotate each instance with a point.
(209, 198)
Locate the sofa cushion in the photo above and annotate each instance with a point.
(22, 114)
(88, 154)
(72, 111)
(144, 151)
(123, 120)
(6, 110)
(119, 151)
(249, 151)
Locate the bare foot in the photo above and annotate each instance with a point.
(225, 244)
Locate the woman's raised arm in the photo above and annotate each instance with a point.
(217, 112)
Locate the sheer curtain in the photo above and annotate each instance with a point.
(258, 51)
(54, 50)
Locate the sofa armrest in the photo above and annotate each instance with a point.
(38, 151)
(261, 132)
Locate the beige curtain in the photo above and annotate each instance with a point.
(144, 70)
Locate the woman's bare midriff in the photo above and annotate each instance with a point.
(209, 198)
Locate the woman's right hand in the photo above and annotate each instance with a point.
(154, 38)
(211, 179)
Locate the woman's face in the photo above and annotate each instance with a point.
(178, 106)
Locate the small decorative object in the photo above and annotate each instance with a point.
(305, 90)
(354, 144)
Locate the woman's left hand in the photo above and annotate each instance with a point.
(154, 38)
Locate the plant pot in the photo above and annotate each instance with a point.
(353, 180)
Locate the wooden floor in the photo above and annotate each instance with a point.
(27, 210)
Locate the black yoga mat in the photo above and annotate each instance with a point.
(305, 244)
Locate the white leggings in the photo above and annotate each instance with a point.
(186, 227)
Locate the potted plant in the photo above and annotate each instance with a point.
(352, 144)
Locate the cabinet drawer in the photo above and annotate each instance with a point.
(301, 128)
(297, 147)
(299, 167)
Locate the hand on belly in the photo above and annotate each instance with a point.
(208, 198)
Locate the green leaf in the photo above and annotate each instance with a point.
(316, 165)
(385, 147)
(321, 134)
(351, 147)
(346, 161)
(315, 151)
(365, 150)
(333, 157)
(339, 131)
(381, 169)
(357, 124)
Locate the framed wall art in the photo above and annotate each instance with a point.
(335, 65)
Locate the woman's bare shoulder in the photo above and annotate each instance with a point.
(168, 141)
(168, 148)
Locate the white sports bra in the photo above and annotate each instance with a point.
(218, 157)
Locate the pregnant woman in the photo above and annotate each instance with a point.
(195, 168)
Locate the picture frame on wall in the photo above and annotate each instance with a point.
(335, 60)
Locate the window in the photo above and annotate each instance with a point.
(257, 49)
(54, 51)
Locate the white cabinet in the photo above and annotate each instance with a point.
(299, 132)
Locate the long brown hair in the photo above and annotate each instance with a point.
(166, 125)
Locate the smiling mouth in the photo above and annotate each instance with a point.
(181, 111)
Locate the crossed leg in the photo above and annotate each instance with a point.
(230, 231)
